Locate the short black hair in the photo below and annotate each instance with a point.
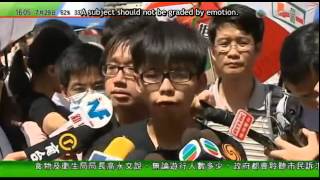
(300, 54)
(55, 23)
(47, 47)
(164, 43)
(110, 28)
(44, 51)
(78, 58)
(126, 31)
(247, 20)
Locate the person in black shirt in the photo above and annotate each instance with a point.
(169, 60)
(80, 71)
(118, 69)
(80, 75)
(34, 98)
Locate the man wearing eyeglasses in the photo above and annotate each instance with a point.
(121, 86)
(169, 62)
(117, 68)
(236, 43)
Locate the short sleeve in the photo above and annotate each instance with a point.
(39, 109)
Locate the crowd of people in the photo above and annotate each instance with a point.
(154, 74)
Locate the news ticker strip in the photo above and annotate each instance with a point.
(90, 9)
(160, 169)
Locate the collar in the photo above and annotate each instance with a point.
(258, 96)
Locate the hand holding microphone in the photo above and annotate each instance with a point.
(226, 118)
(95, 111)
(291, 152)
(206, 96)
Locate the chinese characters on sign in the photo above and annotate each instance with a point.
(159, 165)
(50, 150)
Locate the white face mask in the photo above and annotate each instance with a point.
(76, 99)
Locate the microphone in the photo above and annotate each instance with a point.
(191, 149)
(117, 150)
(210, 135)
(216, 115)
(210, 143)
(226, 118)
(198, 148)
(71, 141)
(137, 154)
(154, 157)
(95, 111)
(228, 149)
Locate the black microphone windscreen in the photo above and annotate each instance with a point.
(154, 157)
(210, 135)
(85, 135)
(137, 154)
(216, 115)
(226, 118)
(190, 134)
